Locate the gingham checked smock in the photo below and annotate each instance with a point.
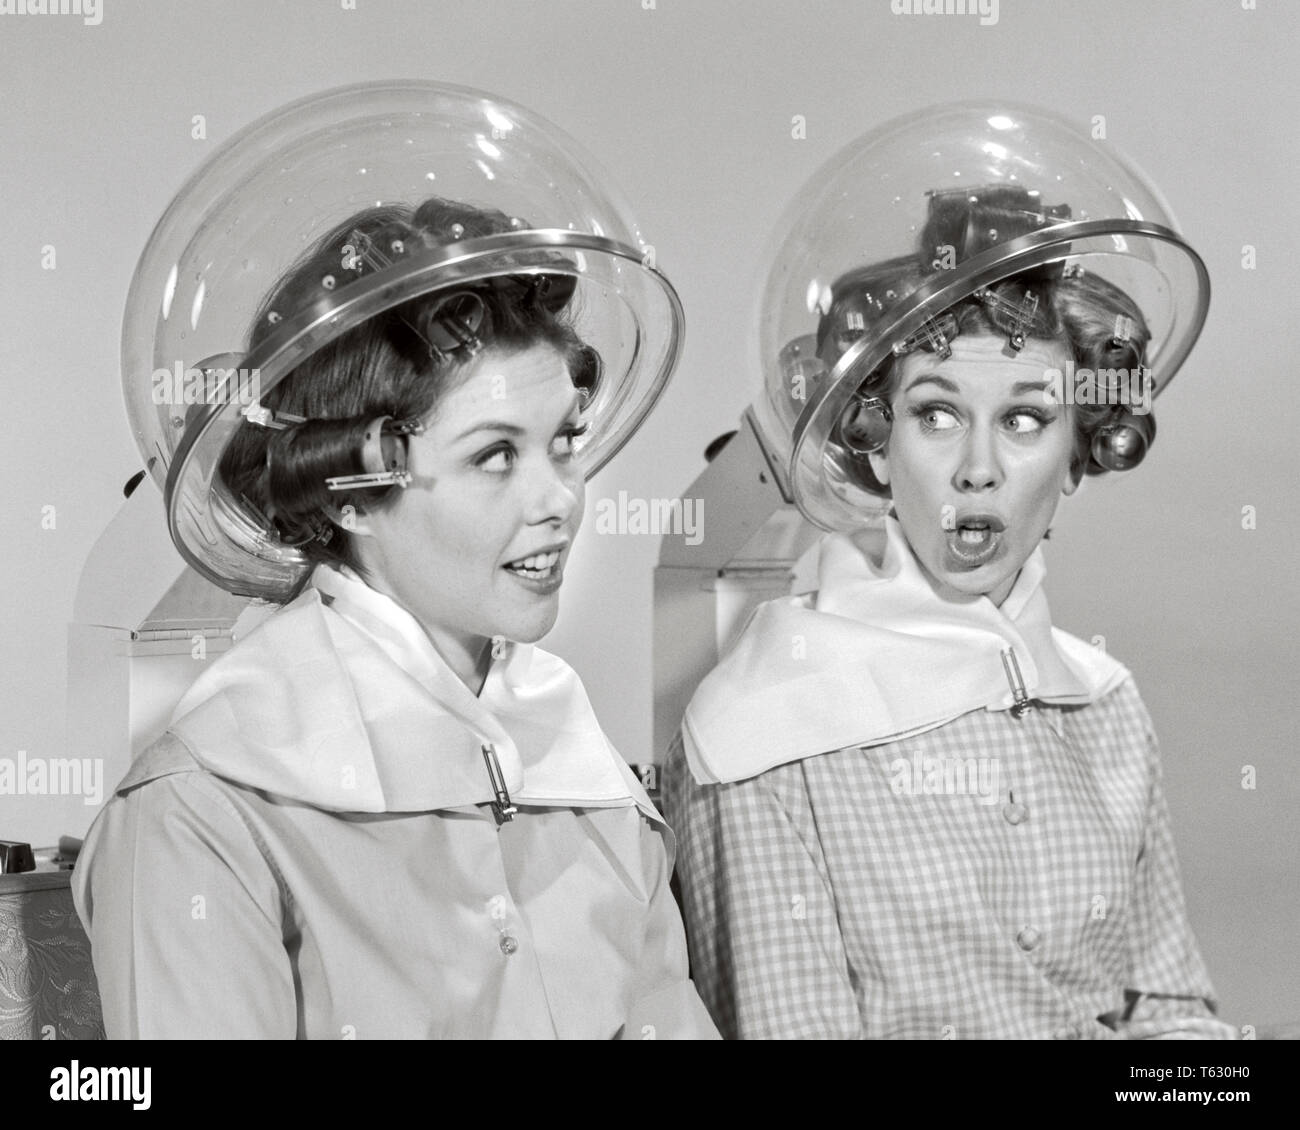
(853, 893)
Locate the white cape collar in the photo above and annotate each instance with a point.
(875, 655)
(339, 700)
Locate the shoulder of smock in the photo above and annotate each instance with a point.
(172, 820)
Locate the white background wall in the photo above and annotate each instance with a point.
(690, 104)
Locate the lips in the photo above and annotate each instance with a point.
(975, 540)
(542, 565)
(535, 565)
(979, 521)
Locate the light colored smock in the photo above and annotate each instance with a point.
(310, 851)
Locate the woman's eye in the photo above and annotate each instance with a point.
(1026, 423)
(563, 445)
(936, 417)
(496, 460)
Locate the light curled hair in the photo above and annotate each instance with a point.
(1099, 324)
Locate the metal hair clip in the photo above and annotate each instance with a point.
(457, 317)
(1021, 314)
(853, 325)
(384, 463)
(255, 413)
(454, 324)
(369, 479)
(360, 248)
(322, 532)
(1045, 212)
(411, 426)
(539, 286)
(934, 335)
(1124, 329)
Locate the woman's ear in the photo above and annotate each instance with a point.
(880, 465)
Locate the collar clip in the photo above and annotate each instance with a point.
(1011, 666)
(502, 808)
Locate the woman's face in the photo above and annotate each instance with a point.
(977, 459)
(476, 545)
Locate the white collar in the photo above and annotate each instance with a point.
(877, 654)
(340, 700)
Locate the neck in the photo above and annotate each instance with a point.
(470, 659)
(468, 655)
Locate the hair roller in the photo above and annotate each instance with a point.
(1124, 349)
(382, 454)
(550, 293)
(588, 372)
(299, 458)
(1121, 443)
(865, 425)
(972, 220)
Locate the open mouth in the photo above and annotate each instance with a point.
(975, 540)
(535, 567)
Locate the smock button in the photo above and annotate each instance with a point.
(1014, 812)
(1028, 938)
(508, 944)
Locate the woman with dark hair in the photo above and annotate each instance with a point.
(383, 812)
(907, 805)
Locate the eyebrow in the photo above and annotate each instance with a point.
(933, 378)
(1017, 389)
(492, 426)
(512, 429)
(1021, 387)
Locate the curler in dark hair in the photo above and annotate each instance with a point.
(390, 365)
(962, 222)
(301, 458)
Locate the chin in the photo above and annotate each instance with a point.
(532, 628)
(967, 586)
(529, 635)
(972, 582)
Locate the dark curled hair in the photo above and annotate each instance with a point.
(1075, 308)
(383, 367)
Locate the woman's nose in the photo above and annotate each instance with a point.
(556, 494)
(979, 467)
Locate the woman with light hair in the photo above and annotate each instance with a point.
(908, 806)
